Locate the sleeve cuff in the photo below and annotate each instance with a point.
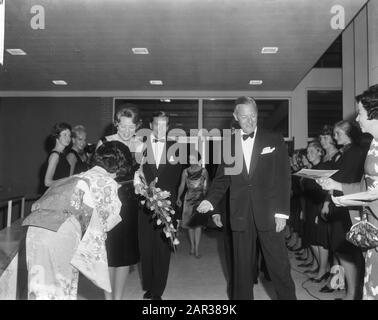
(280, 215)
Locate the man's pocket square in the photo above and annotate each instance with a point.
(267, 150)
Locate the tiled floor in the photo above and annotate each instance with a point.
(204, 278)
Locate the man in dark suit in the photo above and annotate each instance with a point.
(155, 250)
(259, 202)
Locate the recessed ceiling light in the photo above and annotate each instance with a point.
(16, 52)
(140, 50)
(266, 50)
(212, 99)
(255, 82)
(59, 82)
(156, 82)
(165, 100)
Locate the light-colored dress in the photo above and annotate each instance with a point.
(371, 257)
(87, 204)
(195, 182)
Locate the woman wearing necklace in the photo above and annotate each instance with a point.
(57, 164)
(76, 156)
(196, 180)
(122, 241)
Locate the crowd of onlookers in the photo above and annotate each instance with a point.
(318, 226)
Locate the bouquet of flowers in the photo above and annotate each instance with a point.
(157, 201)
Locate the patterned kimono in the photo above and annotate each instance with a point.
(56, 252)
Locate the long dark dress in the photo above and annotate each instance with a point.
(314, 198)
(351, 167)
(80, 166)
(62, 169)
(295, 204)
(122, 241)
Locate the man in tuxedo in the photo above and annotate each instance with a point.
(154, 247)
(259, 202)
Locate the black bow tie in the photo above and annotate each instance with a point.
(154, 140)
(246, 136)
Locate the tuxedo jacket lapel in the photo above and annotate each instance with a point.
(255, 153)
(239, 156)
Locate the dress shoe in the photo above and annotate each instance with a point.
(156, 297)
(147, 295)
(323, 277)
(326, 289)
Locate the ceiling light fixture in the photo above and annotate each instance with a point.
(156, 82)
(165, 100)
(59, 82)
(267, 50)
(16, 52)
(140, 50)
(255, 82)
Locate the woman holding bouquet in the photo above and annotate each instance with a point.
(122, 241)
(195, 178)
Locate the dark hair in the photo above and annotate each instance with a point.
(350, 129)
(128, 110)
(326, 130)
(298, 154)
(114, 157)
(58, 128)
(369, 100)
(159, 114)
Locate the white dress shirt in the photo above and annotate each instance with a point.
(247, 146)
(157, 148)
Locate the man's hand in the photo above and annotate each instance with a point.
(280, 224)
(179, 203)
(204, 207)
(217, 220)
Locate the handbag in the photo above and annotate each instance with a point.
(198, 219)
(363, 234)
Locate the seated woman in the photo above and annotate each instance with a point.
(77, 157)
(87, 204)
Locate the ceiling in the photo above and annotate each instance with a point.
(193, 44)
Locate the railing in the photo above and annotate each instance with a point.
(13, 272)
(8, 202)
